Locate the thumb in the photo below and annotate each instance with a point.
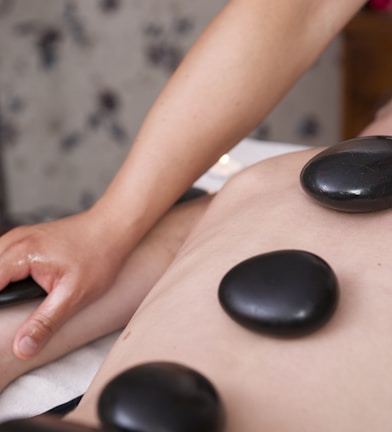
(42, 324)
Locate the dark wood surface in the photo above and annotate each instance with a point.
(367, 69)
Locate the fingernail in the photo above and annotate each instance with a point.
(27, 346)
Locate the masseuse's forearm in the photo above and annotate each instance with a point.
(236, 72)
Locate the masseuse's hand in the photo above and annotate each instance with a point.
(382, 123)
(69, 259)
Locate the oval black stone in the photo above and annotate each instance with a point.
(20, 292)
(353, 176)
(191, 193)
(286, 293)
(161, 396)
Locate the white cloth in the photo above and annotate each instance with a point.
(69, 377)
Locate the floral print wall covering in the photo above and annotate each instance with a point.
(77, 78)
(311, 112)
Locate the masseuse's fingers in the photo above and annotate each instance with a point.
(68, 260)
(60, 304)
(386, 110)
(382, 123)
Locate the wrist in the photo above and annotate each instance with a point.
(116, 225)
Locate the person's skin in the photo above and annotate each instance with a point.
(146, 264)
(337, 379)
(240, 67)
(382, 121)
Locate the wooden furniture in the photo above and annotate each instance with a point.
(367, 69)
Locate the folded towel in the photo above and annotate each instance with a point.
(56, 383)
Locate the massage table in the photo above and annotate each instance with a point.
(67, 378)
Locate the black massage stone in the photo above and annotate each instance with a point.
(45, 424)
(354, 176)
(191, 194)
(287, 293)
(161, 397)
(20, 292)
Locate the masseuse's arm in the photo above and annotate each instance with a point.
(239, 68)
(242, 65)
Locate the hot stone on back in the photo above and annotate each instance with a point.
(353, 176)
(161, 396)
(287, 293)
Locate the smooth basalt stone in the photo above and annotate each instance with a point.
(286, 293)
(65, 408)
(191, 194)
(354, 176)
(20, 292)
(45, 424)
(161, 396)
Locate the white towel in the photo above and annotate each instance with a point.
(54, 384)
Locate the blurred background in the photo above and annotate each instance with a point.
(77, 78)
